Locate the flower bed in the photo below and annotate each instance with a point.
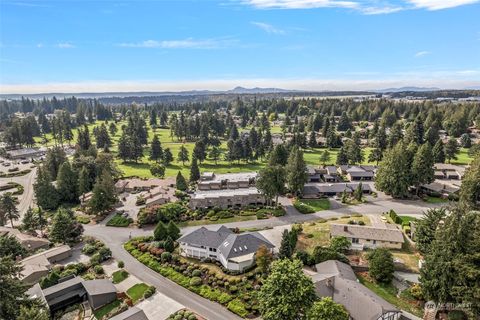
(232, 292)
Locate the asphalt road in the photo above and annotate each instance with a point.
(115, 237)
(27, 198)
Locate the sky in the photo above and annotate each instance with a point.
(109, 45)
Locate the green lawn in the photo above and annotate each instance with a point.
(136, 292)
(119, 276)
(430, 199)
(316, 204)
(389, 293)
(141, 169)
(100, 313)
(407, 218)
(119, 220)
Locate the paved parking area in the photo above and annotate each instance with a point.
(159, 306)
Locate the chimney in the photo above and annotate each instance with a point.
(345, 228)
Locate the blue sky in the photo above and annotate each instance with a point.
(78, 46)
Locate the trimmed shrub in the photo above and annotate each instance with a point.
(195, 281)
(120, 264)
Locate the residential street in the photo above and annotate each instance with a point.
(115, 237)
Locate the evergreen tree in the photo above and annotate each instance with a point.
(160, 233)
(470, 188)
(169, 245)
(325, 157)
(194, 170)
(54, 159)
(33, 312)
(67, 184)
(312, 140)
(103, 194)
(465, 141)
(380, 264)
(278, 156)
(84, 182)
(167, 157)
(64, 228)
(342, 157)
(344, 122)
(286, 250)
(422, 166)
(215, 154)
(10, 246)
(392, 177)
(181, 183)
(183, 155)
(296, 171)
(8, 208)
(157, 170)
(173, 231)
(451, 149)
(271, 182)
(438, 152)
(426, 227)
(30, 221)
(358, 193)
(156, 152)
(124, 147)
(287, 293)
(12, 290)
(45, 193)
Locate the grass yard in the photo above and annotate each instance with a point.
(119, 220)
(318, 233)
(103, 311)
(430, 199)
(389, 293)
(407, 218)
(119, 276)
(136, 292)
(318, 204)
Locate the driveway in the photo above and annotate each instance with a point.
(159, 306)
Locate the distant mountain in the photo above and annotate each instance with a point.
(403, 89)
(242, 90)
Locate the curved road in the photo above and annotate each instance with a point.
(115, 237)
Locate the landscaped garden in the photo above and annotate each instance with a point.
(106, 309)
(180, 212)
(184, 315)
(206, 279)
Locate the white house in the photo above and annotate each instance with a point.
(235, 252)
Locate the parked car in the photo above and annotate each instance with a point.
(25, 161)
(7, 164)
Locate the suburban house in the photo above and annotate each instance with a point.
(29, 242)
(212, 181)
(448, 171)
(314, 174)
(38, 265)
(226, 198)
(74, 290)
(158, 195)
(235, 252)
(319, 190)
(369, 237)
(358, 173)
(330, 174)
(337, 280)
(136, 184)
(322, 174)
(442, 188)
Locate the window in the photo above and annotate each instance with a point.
(354, 240)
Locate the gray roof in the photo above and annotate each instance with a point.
(236, 245)
(204, 237)
(99, 286)
(131, 314)
(360, 173)
(229, 244)
(337, 280)
(62, 286)
(391, 234)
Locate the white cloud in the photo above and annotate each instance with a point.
(268, 28)
(381, 10)
(440, 4)
(65, 45)
(188, 43)
(300, 4)
(441, 79)
(422, 54)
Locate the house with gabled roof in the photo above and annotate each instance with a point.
(369, 237)
(337, 280)
(235, 252)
